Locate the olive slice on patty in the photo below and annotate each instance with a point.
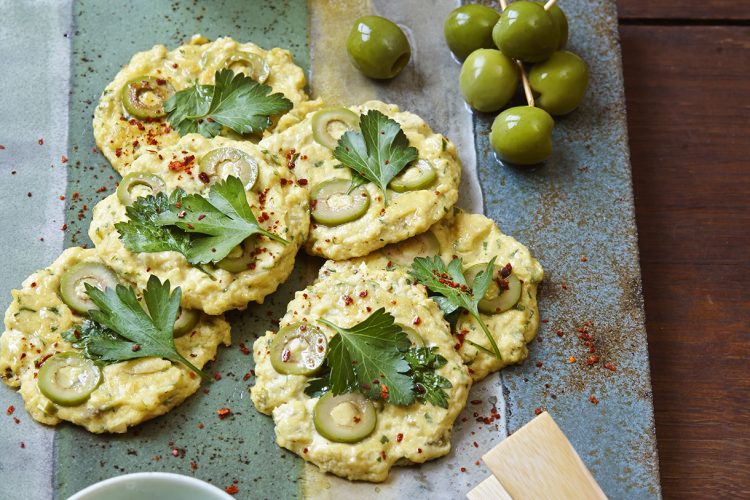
(68, 379)
(503, 292)
(299, 349)
(239, 258)
(144, 97)
(414, 337)
(137, 184)
(346, 418)
(329, 124)
(333, 204)
(404, 252)
(420, 175)
(186, 321)
(223, 162)
(73, 284)
(250, 64)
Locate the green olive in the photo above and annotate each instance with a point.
(186, 321)
(144, 97)
(299, 349)
(137, 184)
(240, 257)
(404, 252)
(560, 82)
(378, 47)
(488, 79)
(347, 418)
(561, 21)
(248, 63)
(419, 175)
(223, 162)
(329, 124)
(68, 379)
(73, 284)
(468, 28)
(526, 31)
(522, 135)
(502, 294)
(334, 204)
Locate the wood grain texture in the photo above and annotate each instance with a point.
(688, 102)
(490, 488)
(681, 9)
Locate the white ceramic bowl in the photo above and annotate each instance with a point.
(151, 486)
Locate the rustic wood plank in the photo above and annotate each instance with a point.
(488, 489)
(736, 10)
(689, 124)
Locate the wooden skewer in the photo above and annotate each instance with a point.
(524, 77)
(549, 4)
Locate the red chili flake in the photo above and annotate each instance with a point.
(244, 350)
(33, 284)
(135, 348)
(347, 300)
(593, 399)
(383, 455)
(203, 176)
(200, 425)
(363, 293)
(15, 419)
(305, 450)
(28, 194)
(476, 401)
(572, 359)
(64, 159)
(193, 465)
(223, 413)
(246, 377)
(10, 410)
(201, 216)
(476, 445)
(217, 376)
(286, 355)
(302, 182)
(399, 437)
(506, 271)
(592, 360)
(545, 321)
(419, 450)
(101, 189)
(610, 366)
(584, 259)
(40, 142)
(383, 392)
(175, 452)
(22, 444)
(416, 321)
(75, 195)
(232, 489)
(2, 147)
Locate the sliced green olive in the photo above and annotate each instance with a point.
(239, 258)
(333, 204)
(68, 379)
(73, 284)
(223, 162)
(329, 124)
(414, 337)
(420, 175)
(145, 97)
(186, 321)
(347, 418)
(404, 252)
(137, 184)
(498, 298)
(248, 63)
(299, 349)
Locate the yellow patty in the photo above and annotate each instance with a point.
(130, 393)
(276, 194)
(425, 429)
(407, 214)
(123, 138)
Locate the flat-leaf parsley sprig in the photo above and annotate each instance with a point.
(234, 101)
(202, 229)
(120, 329)
(453, 291)
(379, 152)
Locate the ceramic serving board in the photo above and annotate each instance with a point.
(575, 213)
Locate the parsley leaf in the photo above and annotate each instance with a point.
(316, 387)
(379, 153)
(203, 230)
(369, 357)
(450, 283)
(235, 101)
(428, 384)
(120, 329)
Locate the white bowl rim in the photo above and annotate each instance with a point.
(170, 476)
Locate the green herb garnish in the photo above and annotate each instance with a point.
(235, 101)
(202, 229)
(453, 292)
(120, 329)
(379, 152)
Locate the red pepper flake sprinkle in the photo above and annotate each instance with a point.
(62, 197)
(193, 465)
(135, 348)
(28, 194)
(64, 227)
(592, 360)
(347, 300)
(22, 444)
(383, 392)
(64, 159)
(302, 182)
(200, 425)
(305, 450)
(538, 411)
(2, 147)
(476, 401)
(463, 469)
(399, 437)
(610, 366)
(538, 364)
(363, 293)
(203, 176)
(15, 419)
(175, 452)
(10, 410)
(244, 350)
(101, 189)
(223, 413)
(572, 359)
(476, 445)
(416, 321)
(593, 399)
(232, 489)
(419, 450)
(75, 195)
(33, 284)
(583, 259)
(217, 376)
(40, 142)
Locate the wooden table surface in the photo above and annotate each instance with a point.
(687, 84)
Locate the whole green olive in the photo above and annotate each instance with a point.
(468, 28)
(561, 21)
(488, 79)
(378, 47)
(522, 135)
(526, 31)
(560, 82)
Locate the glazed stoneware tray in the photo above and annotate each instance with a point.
(575, 213)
